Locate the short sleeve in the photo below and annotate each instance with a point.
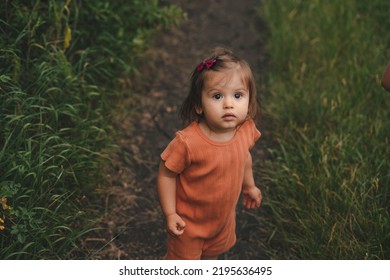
(252, 132)
(256, 133)
(176, 155)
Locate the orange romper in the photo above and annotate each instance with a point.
(209, 182)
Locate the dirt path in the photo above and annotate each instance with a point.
(133, 225)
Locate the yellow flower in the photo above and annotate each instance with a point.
(2, 222)
(3, 201)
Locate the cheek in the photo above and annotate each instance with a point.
(245, 108)
(211, 106)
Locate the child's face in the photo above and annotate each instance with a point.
(225, 100)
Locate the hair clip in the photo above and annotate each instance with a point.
(207, 64)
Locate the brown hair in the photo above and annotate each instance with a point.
(225, 58)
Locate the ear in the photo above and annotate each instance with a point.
(199, 110)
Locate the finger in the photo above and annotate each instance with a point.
(260, 200)
(172, 234)
(181, 224)
(248, 204)
(253, 204)
(245, 201)
(176, 233)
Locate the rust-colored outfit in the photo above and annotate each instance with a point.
(208, 188)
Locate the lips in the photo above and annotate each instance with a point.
(228, 116)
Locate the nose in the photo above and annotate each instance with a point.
(228, 103)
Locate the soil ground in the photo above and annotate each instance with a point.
(133, 226)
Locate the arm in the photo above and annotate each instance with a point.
(252, 194)
(166, 187)
(386, 78)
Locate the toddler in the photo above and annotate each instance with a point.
(208, 164)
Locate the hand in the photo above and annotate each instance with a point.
(175, 225)
(252, 197)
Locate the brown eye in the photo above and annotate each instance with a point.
(217, 96)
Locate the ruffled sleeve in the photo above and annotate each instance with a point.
(176, 155)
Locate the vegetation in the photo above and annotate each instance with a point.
(61, 62)
(326, 187)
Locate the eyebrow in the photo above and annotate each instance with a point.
(219, 89)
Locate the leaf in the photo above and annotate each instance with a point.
(68, 37)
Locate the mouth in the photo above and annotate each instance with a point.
(229, 116)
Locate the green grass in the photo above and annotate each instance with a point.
(326, 187)
(61, 64)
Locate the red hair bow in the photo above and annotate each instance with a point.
(206, 63)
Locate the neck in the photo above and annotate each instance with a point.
(216, 134)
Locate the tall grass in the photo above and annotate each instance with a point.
(61, 62)
(326, 186)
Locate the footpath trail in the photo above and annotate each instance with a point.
(133, 226)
